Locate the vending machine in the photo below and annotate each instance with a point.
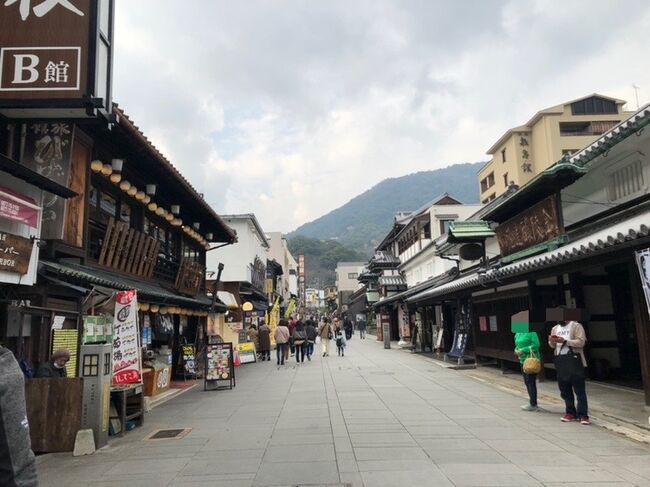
(95, 368)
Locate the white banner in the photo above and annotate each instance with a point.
(126, 346)
(643, 261)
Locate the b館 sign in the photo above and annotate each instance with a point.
(55, 57)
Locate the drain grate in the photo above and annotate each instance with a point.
(168, 434)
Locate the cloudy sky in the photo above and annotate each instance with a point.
(288, 109)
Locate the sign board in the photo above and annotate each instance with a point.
(189, 359)
(189, 277)
(126, 346)
(537, 224)
(56, 49)
(459, 345)
(219, 366)
(247, 353)
(96, 329)
(385, 329)
(404, 324)
(15, 253)
(18, 208)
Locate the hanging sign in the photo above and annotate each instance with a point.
(126, 348)
(643, 261)
(18, 208)
(15, 253)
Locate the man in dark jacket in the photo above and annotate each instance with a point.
(17, 463)
(347, 326)
(310, 328)
(55, 367)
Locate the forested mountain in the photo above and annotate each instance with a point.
(361, 223)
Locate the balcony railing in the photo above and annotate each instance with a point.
(127, 250)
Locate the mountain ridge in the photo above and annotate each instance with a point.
(361, 222)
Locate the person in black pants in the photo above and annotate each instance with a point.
(300, 341)
(310, 329)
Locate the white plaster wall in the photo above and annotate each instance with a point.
(343, 283)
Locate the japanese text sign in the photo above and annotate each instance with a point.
(12, 208)
(15, 253)
(126, 349)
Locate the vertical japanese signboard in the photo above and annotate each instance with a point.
(126, 346)
(56, 49)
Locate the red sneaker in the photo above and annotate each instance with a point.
(567, 418)
(585, 420)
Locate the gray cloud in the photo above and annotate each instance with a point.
(289, 109)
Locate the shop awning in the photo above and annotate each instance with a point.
(228, 299)
(614, 235)
(32, 177)
(80, 274)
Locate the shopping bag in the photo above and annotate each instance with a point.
(318, 339)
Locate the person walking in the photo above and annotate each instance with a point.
(292, 326)
(325, 333)
(310, 329)
(347, 326)
(568, 341)
(281, 340)
(361, 326)
(299, 342)
(340, 342)
(264, 337)
(17, 462)
(527, 346)
(253, 336)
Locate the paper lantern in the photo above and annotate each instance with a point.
(140, 196)
(164, 310)
(116, 177)
(169, 217)
(125, 185)
(155, 308)
(96, 165)
(132, 191)
(160, 211)
(152, 206)
(107, 169)
(144, 306)
(146, 200)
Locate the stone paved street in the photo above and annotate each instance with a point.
(373, 418)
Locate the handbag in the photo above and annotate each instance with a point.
(532, 365)
(568, 367)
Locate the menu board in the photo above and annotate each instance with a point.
(189, 360)
(219, 364)
(247, 353)
(126, 346)
(67, 339)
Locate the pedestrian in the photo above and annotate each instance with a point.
(347, 326)
(340, 342)
(264, 337)
(292, 326)
(55, 367)
(299, 341)
(361, 326)
(281, 340)
(253, 336)
(17, 462)
(325, 333)
(527, 346)
(568, 341)
(310, 329)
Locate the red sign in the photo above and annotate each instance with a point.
(126, 346)
(13, 207)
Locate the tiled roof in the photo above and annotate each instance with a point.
(382, 257)
(429, 283)
(616, 234)
(69, 271)
(392, 281)
(470, 230)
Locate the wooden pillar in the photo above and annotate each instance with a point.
(642, 322)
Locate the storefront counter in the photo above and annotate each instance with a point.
(156, 379)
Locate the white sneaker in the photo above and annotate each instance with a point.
(528, 407)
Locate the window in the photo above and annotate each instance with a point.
(572, 129)
(505, 180)
(503, 155)
(626, 181)
(487, 182)
(90, 365)
(593, 105)
(353, 275)
(485, 201)
(426, 231)
(444, 226)
(107, 204)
